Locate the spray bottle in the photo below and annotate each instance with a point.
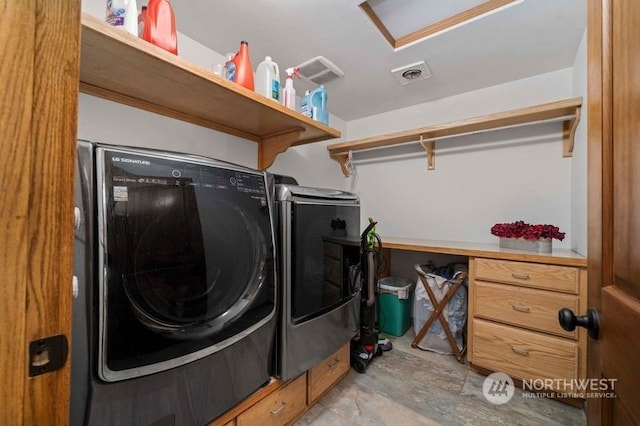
(289, 93)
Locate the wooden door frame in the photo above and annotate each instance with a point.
(17, 43)
(599, 176)
(38, 127)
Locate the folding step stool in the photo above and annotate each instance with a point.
(438, 307)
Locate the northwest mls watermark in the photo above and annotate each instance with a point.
(498, 388)
(574, 388)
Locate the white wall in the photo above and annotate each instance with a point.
(579, 169)
(310, 164)
(108, 122)
(479, 180)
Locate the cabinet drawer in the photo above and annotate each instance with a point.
(523, 354)
(279, 408)
(526, 307)
(327, 373)
(550, 277)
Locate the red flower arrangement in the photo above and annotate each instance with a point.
(520, 229)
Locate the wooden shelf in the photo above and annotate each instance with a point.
(567, 111)
(117, 66)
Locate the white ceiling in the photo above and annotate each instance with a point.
(533, 37)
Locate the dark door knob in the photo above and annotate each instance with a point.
(568, 321)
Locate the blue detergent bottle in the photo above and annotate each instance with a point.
(314, 105)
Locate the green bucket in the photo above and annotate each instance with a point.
(395, 302)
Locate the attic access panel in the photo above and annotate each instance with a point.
(406, 22)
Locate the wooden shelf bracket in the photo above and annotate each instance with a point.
(569, 133)
(430, 147)
(269, 147)
(342, 159)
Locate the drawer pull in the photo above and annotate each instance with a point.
(520, 351)
(520, 308)
(284, 404)
(334, 363)
(520, 275)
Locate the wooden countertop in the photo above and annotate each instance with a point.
(564, 257)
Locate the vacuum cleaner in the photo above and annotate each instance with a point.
(366, 345)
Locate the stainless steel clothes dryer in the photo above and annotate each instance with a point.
(175, 311)
(320, 301)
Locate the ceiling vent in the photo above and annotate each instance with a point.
(411, 73)
(319, 70)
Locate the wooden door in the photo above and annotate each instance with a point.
(614, 205)
(39, 43)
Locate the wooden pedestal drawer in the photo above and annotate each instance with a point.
(323, 376)
(279, 408)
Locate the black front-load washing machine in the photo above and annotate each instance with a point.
(174, 310)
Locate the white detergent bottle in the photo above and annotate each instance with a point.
(289, 92)
(123, 14)
(267, 80)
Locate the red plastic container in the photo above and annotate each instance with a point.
(160, 26)
(243, 69)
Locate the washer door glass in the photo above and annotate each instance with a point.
(180, 285)
(189, 256)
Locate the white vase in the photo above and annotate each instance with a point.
(541, 245)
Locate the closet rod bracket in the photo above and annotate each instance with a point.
(430, 147)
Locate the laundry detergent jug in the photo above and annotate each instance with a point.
(314, 105)
(160, 26)
(267, 80)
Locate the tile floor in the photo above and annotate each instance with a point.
(414, 387)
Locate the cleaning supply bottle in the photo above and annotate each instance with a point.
(267, 79)
(319, 105)
(239, 69)
(229, 67)
(123, 14)
(314, 105)
(160, 26)
(305, 104)
(289, 93)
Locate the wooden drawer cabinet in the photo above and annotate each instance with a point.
(281, 403)
(522, 353)
(545, 276)
(524, 307)
(513, 318)
(279, 408)
(323, 376)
